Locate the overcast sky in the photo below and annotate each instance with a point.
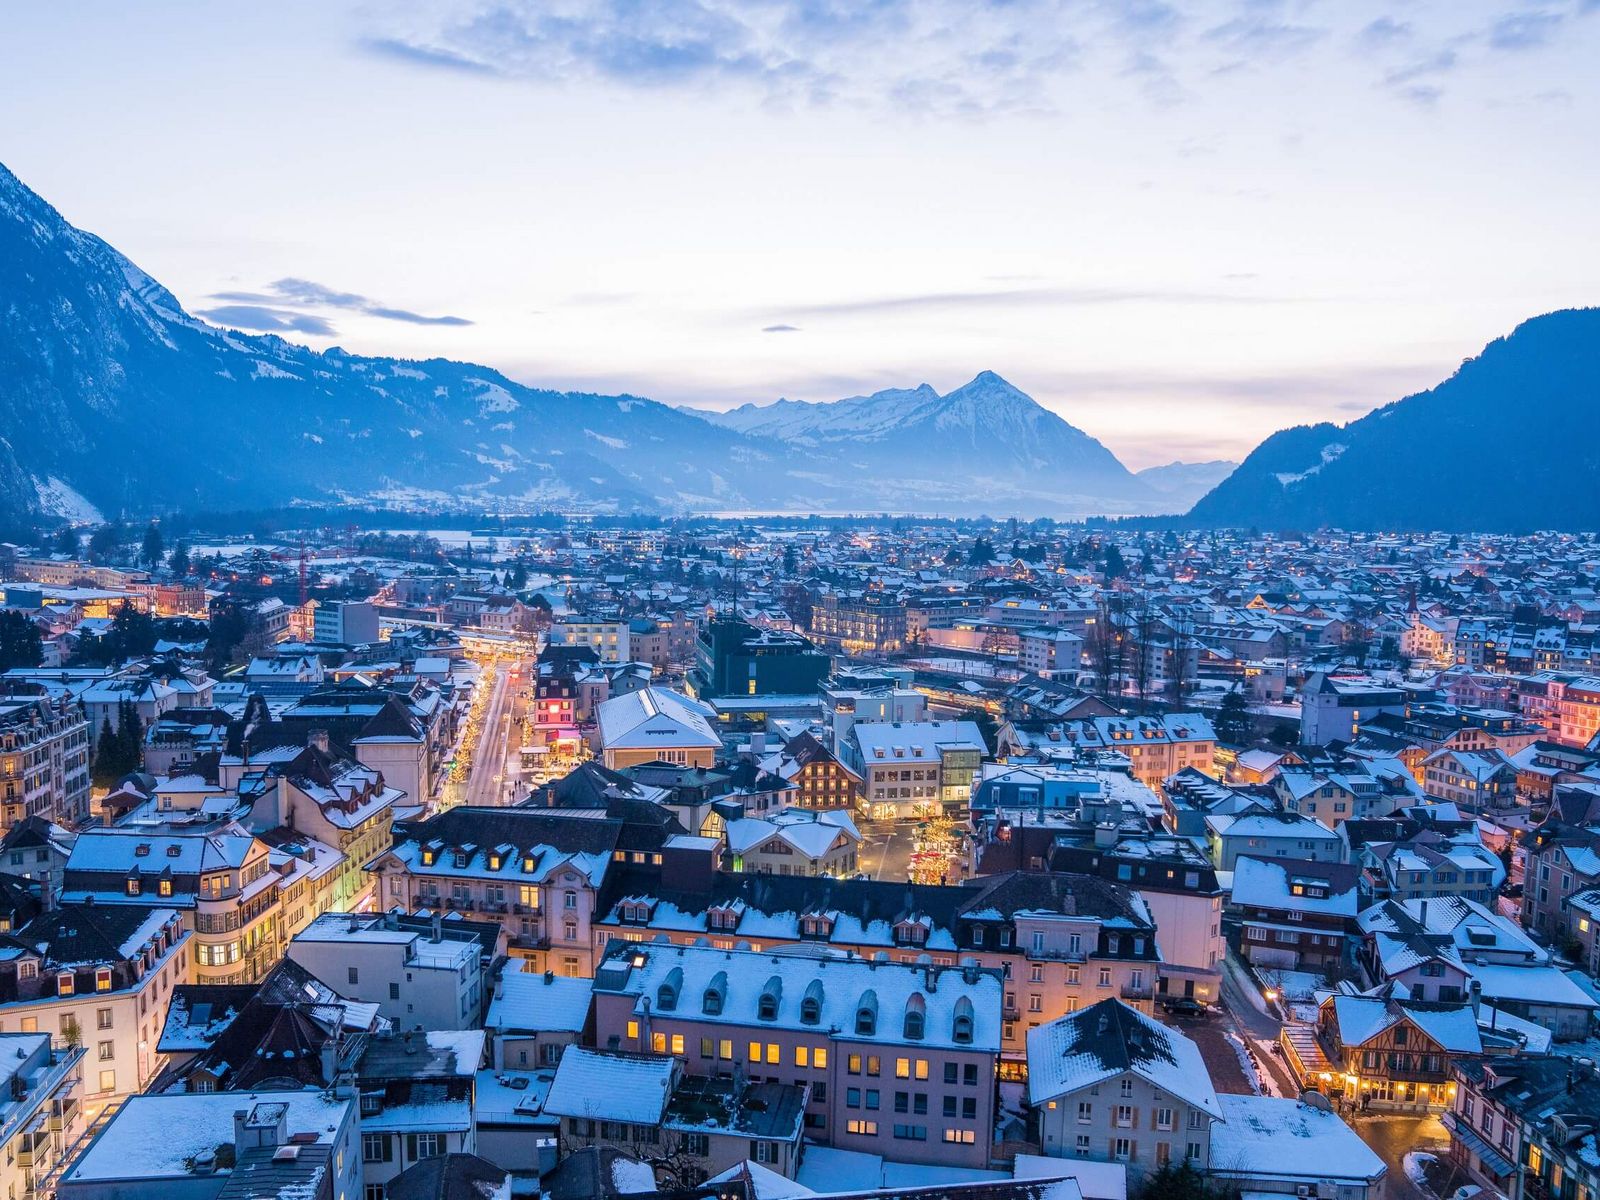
(1180, 225)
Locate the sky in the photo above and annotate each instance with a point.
(1181, 225)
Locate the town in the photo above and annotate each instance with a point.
(768, 858)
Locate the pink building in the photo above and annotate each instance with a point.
(900, 1058)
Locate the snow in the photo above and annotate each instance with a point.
(1265, 1135)
(1415, 1166)
(492, 398)
(615, 443)
(592, 1084)
(528, 1001)
(406, 372)
(766, 1183)
(265, 370)
(1329, 452)
(58, 498)
(1247, 1063)
(1095, 1180)
(467, 1044)
(630, 1177)
(1082, 1050)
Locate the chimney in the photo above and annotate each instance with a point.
(330, 1059)
(1475, 994)
(438, 926)
(319, 739)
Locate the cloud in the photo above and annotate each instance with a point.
(268, 320)
(1523, 30)
(1384, 31)
(427, 56)
(1015, 297)
(780, 329)
(307, 294)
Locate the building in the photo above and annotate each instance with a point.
(795, 841)
(41, 1114)
(1264, 833)
(872, 623)
(609, 639)
(346, 622)
(99, 977)
(1562, 861)
(420, 978)
(915, 769)
(534, 1016)
(418, 1092)
(1267, 1146)
(240, 899)
(1524, 1127)
(1112, 1084)
(656, 725)
(735, 658)
(685, 1128)
(1060, 942)
(896, 1059)
(535, 871)
(820, 780)
(1333, 707)
(1297, 915)
(1157, 746)
(1478, 781)
(1395, 1054)
(44, 760)
(222, 1146)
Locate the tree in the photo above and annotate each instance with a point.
(953, 557)
(1233, 719)
(1181, 1181)
(105, 542)
(107, 766)
(1115, 565)
(154, 546)
(20, 642)
(67, 542)
(791, 561)
(178, 560)
(982, 552)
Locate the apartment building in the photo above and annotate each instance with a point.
(871, 623)
(794, 841)
(915, 769)
(1295, 914)
(421, 975)
(656, 725)
(1562, 861)
(44, 760)
(239, 898)
(1566, 704)
(820, 779)
(1333, 707)
(1157, 746)
(1109, 1083)
(1524, 1127)
(535, 871)
(98, 977)
(1059, 942)
(898, 1059)
(609, 639)
(1477, 781)
(40, 1117)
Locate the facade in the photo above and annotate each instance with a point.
(897, 1059)
(868, 624)
(1111, 1084)
(1297, 915)
(914, 769)
(1059, 942)
(1476, 781)
(418, 980)
(1562, 861)
(346, 622)
(1157, 746)
(44, 761)
(655, 725)
(41, 1111)
(795, 841)
(534, 1017)
(609, 639)
(735, 658)
(97, 977)
(1267, 1146)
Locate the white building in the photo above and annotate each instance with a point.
(41, 1111)
(418, 980)
(1264, 1145)
(795, 841)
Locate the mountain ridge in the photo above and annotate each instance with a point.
(117, 399)
(1424, 461)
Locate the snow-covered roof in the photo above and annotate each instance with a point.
(1278, 1138)
(633, 1088)
(655, 717)
(1084, 1048)
(527, 1001)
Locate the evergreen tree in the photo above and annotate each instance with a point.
(1116, 566)
(178, 560)
(20, 642)
(105, 542)
(154, 546)
(130, 737)
(67, 542)
(1233, 720)
(105, 770)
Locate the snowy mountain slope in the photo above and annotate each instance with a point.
(1011, 447)
(1182, 483)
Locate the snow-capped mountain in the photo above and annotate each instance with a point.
(1182, 483)
(113, 399)
(1015, 450)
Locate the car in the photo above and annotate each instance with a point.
(1183, 1006)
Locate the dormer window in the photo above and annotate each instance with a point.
(133, 886)
(428, 857)
(460, 859)
(102, 979)
(961, 1025)
(527, 864)
(66, 983)
(164, 887)
(715, 995)
(494, 861)
(916, 1019)
(867, 1015)
(771, 994)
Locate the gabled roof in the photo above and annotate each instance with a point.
(1108, 1039)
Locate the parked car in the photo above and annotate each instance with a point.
(1183, 1006)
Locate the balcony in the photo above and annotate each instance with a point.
(1140, 992)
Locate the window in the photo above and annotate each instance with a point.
(863, 1128)
(1082, 1144)
(108, 1081)
(1163, 1118)
(1125, 1086)
(1124, 1116)
(424, 1145)
(102, 1018)
(960, 1137)
(376, 1147)
(902, 1068)
(1085, 1112)
(1122, 1149)
(108, 1051)
(355, 975)
(372, 1191)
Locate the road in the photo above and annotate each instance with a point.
(494, 757)
(885, 851)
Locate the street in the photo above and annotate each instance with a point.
(495, 765)
(885, 851)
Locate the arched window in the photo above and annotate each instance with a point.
(961, 1026)
(916, 1017)
(867, 1014)
(767, 1006)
